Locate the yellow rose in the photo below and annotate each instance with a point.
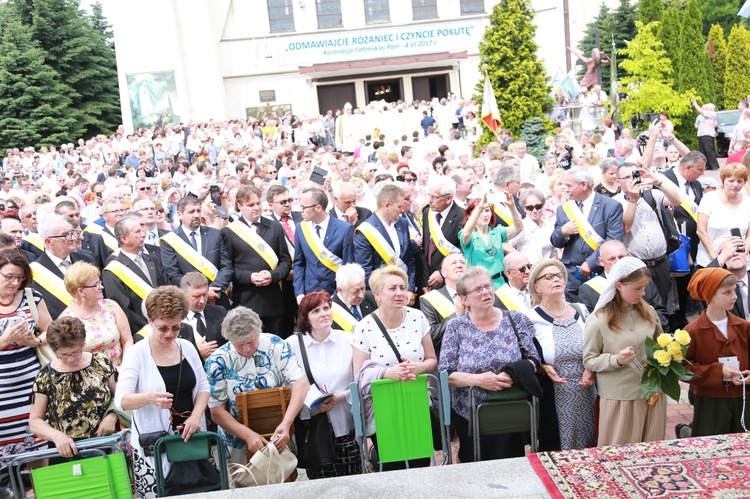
(682, 337)
(675, 350)
(664, 339)
(662, 357)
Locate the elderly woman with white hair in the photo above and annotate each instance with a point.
(614, 347)
(567, 407)
(251, 360)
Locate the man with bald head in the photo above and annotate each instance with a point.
(610, 252)
(344, 205)
(439, 305)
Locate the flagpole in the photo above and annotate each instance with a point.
(486, 81)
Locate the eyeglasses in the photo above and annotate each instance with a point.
(70, 235)
(525, 268)
(165, 329)
(549, 277)
(97, 285)
(283, 201)
(535, 207)
(311, 206)
(410, 179)
(432, 196)
(121, 210)
(11, 278)
(145, 188)
(307, 161)
(69, 355)
(146, 209)
(478, 290)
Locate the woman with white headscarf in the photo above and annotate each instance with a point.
(614, 348)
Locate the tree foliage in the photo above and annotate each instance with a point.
(736, 75)
(722, 12)
(648, 81)
(717, 51)
(669, 35)
(650, 11)
(77, 48)
(693, 55)
(508, 54)
(33, 101)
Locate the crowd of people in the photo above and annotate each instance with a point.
(169, 269)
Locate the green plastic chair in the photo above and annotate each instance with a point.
(196, 449)
(506, 411)
(401, 414)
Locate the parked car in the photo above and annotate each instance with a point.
(727, 120)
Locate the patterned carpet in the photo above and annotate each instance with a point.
(708, 467)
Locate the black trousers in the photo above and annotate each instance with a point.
(707, 146)
(660, 277)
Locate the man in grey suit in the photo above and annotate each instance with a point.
(175, 251)
(600, 219)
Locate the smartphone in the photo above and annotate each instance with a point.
(15, 321)
(637, 176)
(222, 214)
(736, 233)
(215, 195)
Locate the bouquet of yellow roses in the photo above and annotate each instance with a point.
(665, 369)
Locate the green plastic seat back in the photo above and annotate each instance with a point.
(119, 477)
(402, 419)
(512, 393)
(505, 416)
(83, 479)
(195, 449)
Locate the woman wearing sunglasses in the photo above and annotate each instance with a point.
(534, 241)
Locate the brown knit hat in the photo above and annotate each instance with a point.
(705, 282)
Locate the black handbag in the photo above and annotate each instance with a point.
(148, 441)
(314, 436)
(192, 477)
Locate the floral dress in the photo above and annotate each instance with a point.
(102, 334)
(77, 400)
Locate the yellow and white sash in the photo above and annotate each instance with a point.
(597, 283)
(51, 282)
(503, 212)
(438, 238)
(130, 278)
(585, 230)
(441, 303)
(511, 302)
(327, 258)
(343, 317)
(256, 242)
(34, 239)
(145, 331)
(109, 240)
(192, 256)
(688, 205)
(381, 246)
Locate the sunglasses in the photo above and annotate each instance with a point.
(534, 207)
(523, 269)
(283, 201)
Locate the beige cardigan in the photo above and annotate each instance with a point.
(601, 346)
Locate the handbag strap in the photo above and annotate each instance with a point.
(303, 353)
(388, 336)
(32, 306)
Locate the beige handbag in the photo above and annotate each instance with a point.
(266, 467)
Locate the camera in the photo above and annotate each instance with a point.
(636, 176)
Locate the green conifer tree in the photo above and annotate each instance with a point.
(33, 101)
(692, 74)
(508, 54)
(669, 35)
(717, 46)
(650, 11)
(736, 75)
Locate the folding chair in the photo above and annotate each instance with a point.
(402, 417)
(263, 410)
(197, 448)
(99, 470)
(505, 411)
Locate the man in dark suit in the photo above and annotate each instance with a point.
(280, 201)
(439, 305)
(507, 179)
(599, 219)
(139, 269)
(344, 205)
(145, 207)
(260, 258)
(60, 240)
(112, 211)
(685, 175)
(383, 239)
(204, 318)
(351, 302)
(13, 228)
(193, 247)
(448, 217)
(321, 245)
(93, 243)
(610, 253)
(733, 258)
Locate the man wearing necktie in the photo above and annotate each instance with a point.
(147, 209)
(351, 294)
(205, 318)
(280, 200)
(256, 281)
(207, 242)
(734, 259)
(449, 218)
(344, 205)
(60, 240)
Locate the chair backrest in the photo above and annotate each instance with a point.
(197, 448)
(263, 410)
(402, 418)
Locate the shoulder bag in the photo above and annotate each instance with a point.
(44, 354)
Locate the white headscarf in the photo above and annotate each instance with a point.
(624, 267)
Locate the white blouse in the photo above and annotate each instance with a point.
(408, 338)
